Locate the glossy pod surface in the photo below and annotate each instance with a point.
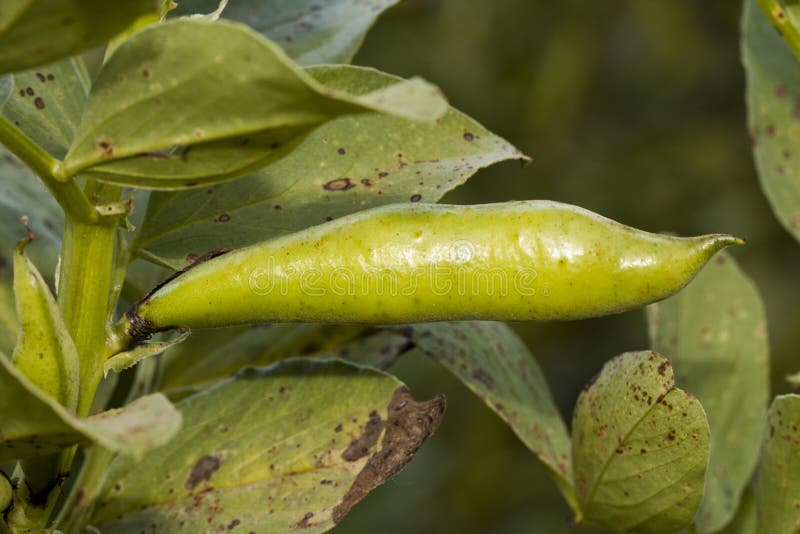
(431, 262)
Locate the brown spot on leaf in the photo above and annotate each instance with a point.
(340, 184)
(415, 198)
(484, 377)
(38, 102)
(106, 147)
(408, 425)
(222, 218)
(361, 446)
(304, 522)
(29, 91)
(341, 151)
(468, 136)
(202, 471)
(41, 77)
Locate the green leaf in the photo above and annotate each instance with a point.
(716, 335)
(44, 351)
(346, 165)
(191, 102)
(640, 447)
(33, 424)
(22, 194)
(778, 486)
(311, 32)
(208, 356)
(47, 103)
(290, 447)
(35, 32)
(495, 364)
(773, 93)
(124, 360)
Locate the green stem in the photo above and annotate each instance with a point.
(87, 263)
(777, 15)
(90, 483)
(49, 170)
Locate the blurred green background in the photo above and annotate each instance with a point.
(633, 109)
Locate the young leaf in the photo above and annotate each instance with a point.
(273, 450)
(773, 93)
(44, 352)
(22, 194)
(124, 360)
(716, 335)
(494, 363)
(311, 32)
(778, 486)
(348, 164)
(33, 424)
(40, 31)
(209, 356)
(47, 103)
(179, 96)
(640, 447)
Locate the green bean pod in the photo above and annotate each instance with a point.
(44, 352)
(432, 262)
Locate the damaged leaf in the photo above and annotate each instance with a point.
(190, 102)
(640, 447)
(716, 335)
(773, 106)
(272, 450)
(348, 164)
(494, 363)
(311, 32)
(778, 485)
(47, 102)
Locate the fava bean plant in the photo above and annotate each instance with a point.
(219, 237)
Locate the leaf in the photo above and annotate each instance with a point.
(346, 165)
(22, 194)
(208, 356)
(33, 424)
(290, 447)
(191, 102)
(35, 32)
(47, 103)
(495, 364)
(640, 447)
(716, 335)
(778, 485)
(44, 351)
(124, 360)
(311, 32)
(773, 104)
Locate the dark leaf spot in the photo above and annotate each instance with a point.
(469, 136)
(406, 430)
(416, 198)
(484, 377)
(38, 102)
(304, 522)
(41, 77)
(223, 218)
(202, 471)
(29, 91)
(342, 151)
(340, 184)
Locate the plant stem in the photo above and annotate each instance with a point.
(777, 15)
(88, 486)
(87, 263)
(66, 191)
